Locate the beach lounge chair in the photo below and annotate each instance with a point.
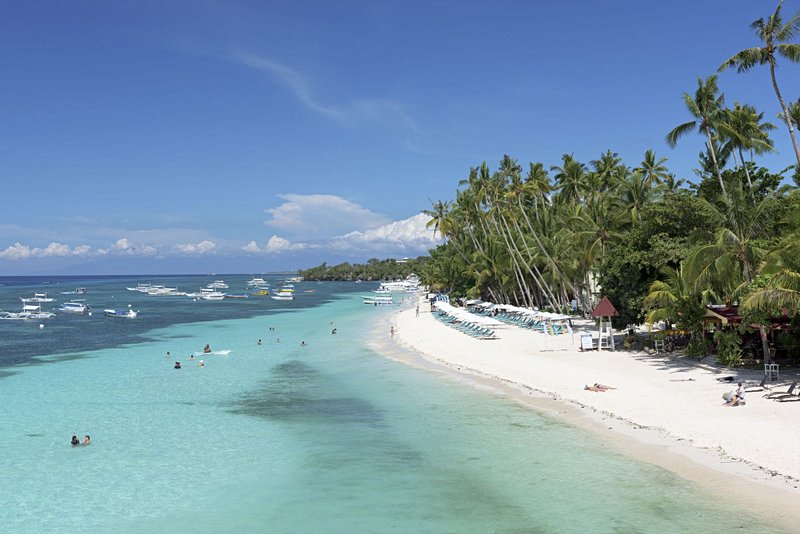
(760, 387)
(777, 395)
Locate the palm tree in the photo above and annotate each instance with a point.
(794, 113)
(773, 33)
(706, 108)
(654, 171)
(744, 129)
(439, 218)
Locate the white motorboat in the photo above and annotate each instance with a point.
(123, 314)
(257, 282)
(284, 293)
(141, 287)
(210, 294)
(78, 291)
(294, 279)
(218, 284)
(74, 307)
(409, 285)
(37, 297)
(378, 300)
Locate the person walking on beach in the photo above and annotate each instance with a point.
(391, 331)
(417, 310)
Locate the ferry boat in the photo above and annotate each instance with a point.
(37, 297)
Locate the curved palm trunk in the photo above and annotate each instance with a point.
(746, 171)
(536, 276)
(786, 115)
(714, 159)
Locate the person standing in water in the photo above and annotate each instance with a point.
(75, 441)
(87, 440)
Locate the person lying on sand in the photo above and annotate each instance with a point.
(598, 387)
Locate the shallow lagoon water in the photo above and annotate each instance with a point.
(330, 437)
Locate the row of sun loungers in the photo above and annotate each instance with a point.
(783, 396)
(471, 329)
(530, 322)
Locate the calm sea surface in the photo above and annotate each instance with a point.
(280, 437)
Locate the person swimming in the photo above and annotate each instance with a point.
(259, 342)
(302, 343)
(75, 441)
(177, 365)
(201, 363)
(207, 349)
(191, 356)
(87, 440)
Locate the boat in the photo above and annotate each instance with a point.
(257, 282)
(377, 300)
(123, 314)
(38, 297)
(236, 295)
(211, 294)
(141, 287)
(34, 311)
(78, 291)
(284, 293)
(294, 279)
(74, 307)
(218, 284)
(409, 285)
(260, 292)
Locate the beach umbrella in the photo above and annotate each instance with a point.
(604, 310)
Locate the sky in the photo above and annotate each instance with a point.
(214, 136)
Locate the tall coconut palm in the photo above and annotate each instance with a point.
(653, 170)
(794, 113)
(773, 33)
(743, 129)
(707, 109)
(439, 218)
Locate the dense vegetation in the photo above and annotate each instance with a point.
(374, 269)
(659, 247)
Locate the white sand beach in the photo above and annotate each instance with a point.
(666, 410)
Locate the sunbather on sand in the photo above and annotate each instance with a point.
(598, 387)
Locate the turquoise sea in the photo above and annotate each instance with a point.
(279, 437)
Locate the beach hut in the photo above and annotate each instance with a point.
(605, 336)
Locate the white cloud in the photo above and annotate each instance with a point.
(18, 251)
(203, 247)
(383, 111)
(405, 236)
(251, 248)
(278, 244)
(121, 244)
(314, 217)
(124, 246)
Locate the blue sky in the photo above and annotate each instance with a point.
(247, 136)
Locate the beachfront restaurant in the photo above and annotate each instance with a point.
(782, 334)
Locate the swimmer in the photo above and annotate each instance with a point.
(177, 365)
(207, 349)
(302, 343)
(201, 364)
(191, 356)
(259, 342)
(87, 440)
(278, 340)
(333, 332)
(75, 441)
(168, 356)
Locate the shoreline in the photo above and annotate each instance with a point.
(538, 373)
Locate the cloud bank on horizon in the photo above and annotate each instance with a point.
(305, 228)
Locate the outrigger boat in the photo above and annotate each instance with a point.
(123, 314)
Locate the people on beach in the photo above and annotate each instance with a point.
(177, 365)
(735, 398)
(206, 349)
(598, 387)
(75, 441)
(417, 310)
(391, 331)
(87, 440)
